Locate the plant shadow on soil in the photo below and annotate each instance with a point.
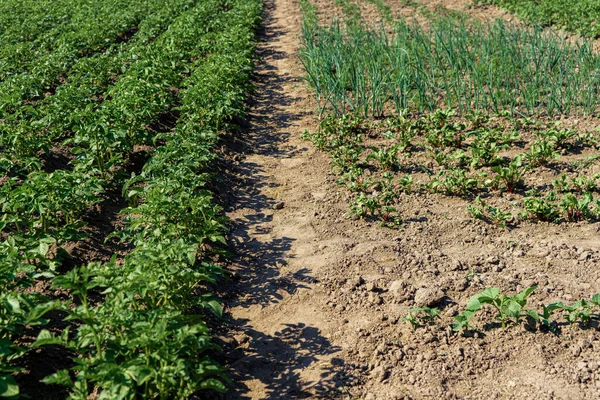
(247, 191)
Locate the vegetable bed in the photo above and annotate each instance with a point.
(109, 119)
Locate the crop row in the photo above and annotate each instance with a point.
(104, 133)
(464, 150)
(144, 338)
(456, 62)
(381, 163)
(31, 69)
(22, 21)
(579, 16)
(460, 109)
(511, 310)
(33, 129)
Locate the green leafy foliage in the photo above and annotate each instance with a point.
(577, 209)
(541, 153)
(17, 312)
(541, 208)
(509, 309)
(453, 182)
(48, 203)
(510, 175)
(579, 16)
(139, 329)
(388, 158)
(458, 108)
(580, 311)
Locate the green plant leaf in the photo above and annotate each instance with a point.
(522, 297)
(489, 294)
(46, 338)
(12, 304)
(61, 377)
(513, 309)
(461, 321)
(8, 386)
(33, 316)
(534, 315)
(139, 373)
(485, 297)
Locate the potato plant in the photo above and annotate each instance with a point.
(139, 330)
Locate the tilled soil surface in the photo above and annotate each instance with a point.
(315, 305)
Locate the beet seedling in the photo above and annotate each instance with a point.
(453, 182)
(364, 205)
(510, 175)
(559, 137)
(477, 119)
(388, 158)
(487, 213)
(419, 316)
(485, 154)
(486, 146)
(562, 185)
(585, 184)
(576, 209)
(401, 128)
(541, 209)
(586, 162)
(406, 183)
(355, 180)
(390, 217)
(541, 153)
(476, 212)
(346, 157)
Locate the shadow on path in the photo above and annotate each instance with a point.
(270, 363)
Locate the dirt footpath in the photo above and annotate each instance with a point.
(283, 330)
(315, 305)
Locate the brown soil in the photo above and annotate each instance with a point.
(316, 302)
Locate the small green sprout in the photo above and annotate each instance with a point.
(420, 316)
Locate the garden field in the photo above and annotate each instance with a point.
(371, 199)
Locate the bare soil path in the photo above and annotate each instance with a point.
(314, 309)
(281, 327)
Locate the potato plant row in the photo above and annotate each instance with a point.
(30, 69)
(103, 134)
(33, 129)
(138, 330)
